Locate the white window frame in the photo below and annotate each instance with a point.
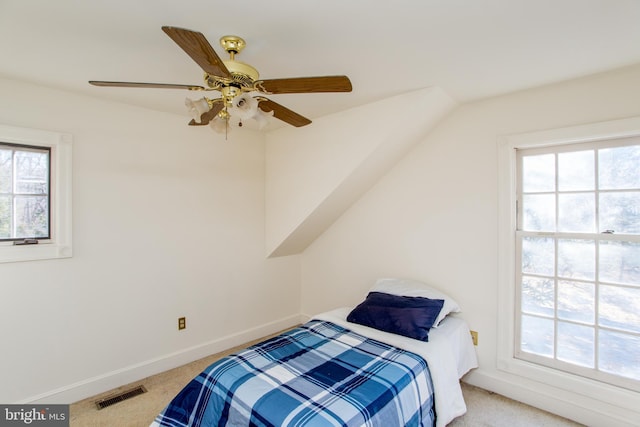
(507, 220)
(60, 244)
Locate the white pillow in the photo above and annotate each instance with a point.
(413, 288)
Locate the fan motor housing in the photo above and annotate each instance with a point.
(241, 74)
(237, 67)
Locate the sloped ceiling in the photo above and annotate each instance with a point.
(314, 174)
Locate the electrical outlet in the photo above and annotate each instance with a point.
(474, 337)
(182, 323)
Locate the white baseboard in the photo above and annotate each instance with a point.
(585, 410)
(110, 380)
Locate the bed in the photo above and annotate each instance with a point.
(338, 370)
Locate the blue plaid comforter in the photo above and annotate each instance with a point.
(319, 374)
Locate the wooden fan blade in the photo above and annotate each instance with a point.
(205, 118)
(148, 85)
(198, 48)
(283, 113)
(306, 85)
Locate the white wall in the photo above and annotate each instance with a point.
(168, 221)
(434, 217)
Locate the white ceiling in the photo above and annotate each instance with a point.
(470, 48)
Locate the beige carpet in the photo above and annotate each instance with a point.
(484, 409)
(487, 409)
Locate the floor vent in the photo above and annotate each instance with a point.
(127, 394)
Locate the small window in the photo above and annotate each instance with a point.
(35, 194)
(24, 192)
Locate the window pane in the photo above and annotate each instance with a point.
(618, 354)
(538, 255)
(620, 308)
(620, 262)
(537, 296)
(539, 212)
(5, 217)
(537, 336)
(576, 301)
(620, 211)
(6, 173)
(577, 259)
(577, 212)
(32, 172)
(576, 344)
(32, 216)
(576, 171)
(539, 173)
(618, 168)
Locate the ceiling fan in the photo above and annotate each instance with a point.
(235, 80)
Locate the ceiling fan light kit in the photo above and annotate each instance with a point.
(235, 80)
(198, 107)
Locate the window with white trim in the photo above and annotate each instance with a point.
(35, 194)
(605, 392)
(578, 259)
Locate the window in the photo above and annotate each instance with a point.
(35, 194)
(24, 192)
(562, 271)
(578, 258)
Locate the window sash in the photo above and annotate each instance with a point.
(14, 194)
(555, 278)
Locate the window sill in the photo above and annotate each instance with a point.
(11, 253)
(603, 392)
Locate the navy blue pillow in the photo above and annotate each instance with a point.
(407, 316)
